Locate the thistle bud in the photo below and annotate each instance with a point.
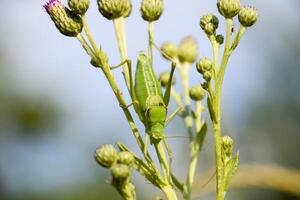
(106, 155)
(79, 6)
(209, 23)
(220, 39)
(204, 65)
(120, 172)
(151, 10)
(207, 75)
(125, 158)
(66, 21)
(229, 8)
(164, 79)
(248, 16)
(112, 9)
(169, 50)
(227, 145)
(197, 93)
(188, 50)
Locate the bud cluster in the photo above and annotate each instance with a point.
(188, 50)
(112, 9)
(119, 164)
(170, 50)
(79, 6)
(248, 16)
(227, 146)
(197, 93)
(164, 79)
(151, 10)
(66, 21)
(229, 8)
(205, 66)
(209, 24)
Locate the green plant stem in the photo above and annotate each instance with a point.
(119, 26)
(216, 102)
(194, 154)
(86, 46)
(184, 73)
(88, 34)
(237, 38)
(150, 40)
(168, 188)
(162, 158)
(169, 192)
(199, 109)
(215, 45)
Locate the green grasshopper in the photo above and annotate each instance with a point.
(148, 101)
(151, 105)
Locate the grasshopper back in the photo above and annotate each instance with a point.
(146, 82)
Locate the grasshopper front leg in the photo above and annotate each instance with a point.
(169, 86)
(171, 117)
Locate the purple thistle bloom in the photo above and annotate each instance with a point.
(52, 3)
(66, 21)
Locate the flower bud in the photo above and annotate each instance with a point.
(106, 155)
(220, 39)
(229, 8)
(151, 10)
(204, 65)
(188, 50)
(209, 23)
(169, 50)
(79, 6)
(120, 172)
(125, 158)
(227, 145)
(248, 16)
(207, 75)
(66, 21)
(164, 79)
(112, 9)
(197, 93)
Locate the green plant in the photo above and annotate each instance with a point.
(146, 93)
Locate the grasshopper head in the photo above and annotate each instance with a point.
(156, 120)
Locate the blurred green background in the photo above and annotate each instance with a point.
(55, 109)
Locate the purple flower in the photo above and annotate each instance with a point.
(52, 3)
(66, 21)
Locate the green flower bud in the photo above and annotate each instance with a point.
(229, 8)
(209, 23)
(188, 50)
(79, 6)
(227, 145)
(248, 16)
(164, 79)
(151, 10)
(197, 93)
(66, 21)
(120, 172)
(204, 65)
(220, 39)
(170, 49)
(106, 155)
(125, 158)
(207, 75)
(112, 9)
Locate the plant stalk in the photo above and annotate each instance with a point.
(119, 26)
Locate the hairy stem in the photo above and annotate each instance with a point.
(88, 34)
(119, 26)
(216, 103)
(150, 40)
